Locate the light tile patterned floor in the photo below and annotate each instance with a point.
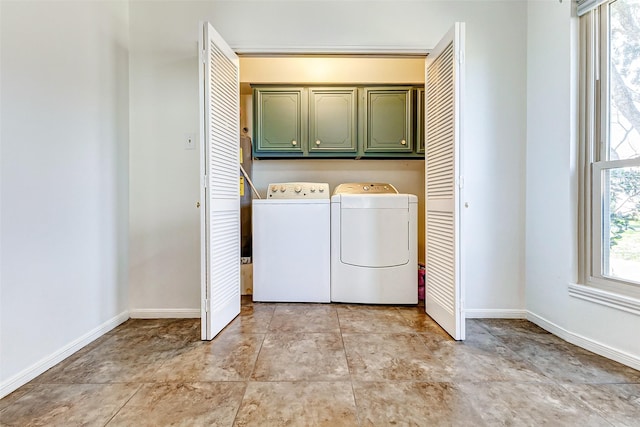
(329, 365)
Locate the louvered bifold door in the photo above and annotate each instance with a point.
(220, 219)
(443, 132)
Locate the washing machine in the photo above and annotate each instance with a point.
(291, 243)
(374, 244)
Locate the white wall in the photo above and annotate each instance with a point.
(551, 238)
(64, 178)
(551, 192)
(164, 243)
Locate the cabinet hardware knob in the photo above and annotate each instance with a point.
(294, 143)
(403, 142)
(318, 142)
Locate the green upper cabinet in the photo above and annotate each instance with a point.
(338, 121)
(280, 119)
(333, 120)
(388, 120)
(420, 134)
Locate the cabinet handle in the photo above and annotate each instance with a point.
(294, 143)
(318, 142)
(403, 142)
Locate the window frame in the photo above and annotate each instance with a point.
(594, 150)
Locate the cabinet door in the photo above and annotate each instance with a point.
(420, 122)
(388, 120)
(280, 119)
(333, 120)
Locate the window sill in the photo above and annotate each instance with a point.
(609, 299)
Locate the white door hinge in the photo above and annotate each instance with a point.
(205, 181)
(460, 56)
(460, 181)
(204, 56)
(206, 305)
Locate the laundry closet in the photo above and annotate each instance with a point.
(309, 161)
(382, 96)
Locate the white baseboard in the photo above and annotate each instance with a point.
(490, 313)
(165, 313)
(586, 343)
(23, 377)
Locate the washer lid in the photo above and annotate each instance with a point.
(365, 188)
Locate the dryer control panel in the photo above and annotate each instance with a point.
(365, 188)
(298, 190)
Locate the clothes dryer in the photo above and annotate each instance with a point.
(374, 245)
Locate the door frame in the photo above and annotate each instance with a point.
(375, 50)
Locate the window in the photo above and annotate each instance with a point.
(610, 136)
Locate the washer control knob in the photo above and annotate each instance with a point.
(365, 188)
(313, 189)
(274, 188)
(322, 189)
(297, 189)
(283, 188)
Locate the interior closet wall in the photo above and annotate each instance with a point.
(406, 175)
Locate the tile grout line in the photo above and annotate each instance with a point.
(584, 404)
(244, 393)
(532, 366)
(140, 385)
(255, 362)
(264, 338)
(353, 391)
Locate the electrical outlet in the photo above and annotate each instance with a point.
(189, 141)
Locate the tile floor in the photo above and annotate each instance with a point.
(331, 365)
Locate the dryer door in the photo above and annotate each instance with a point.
(374, 230)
